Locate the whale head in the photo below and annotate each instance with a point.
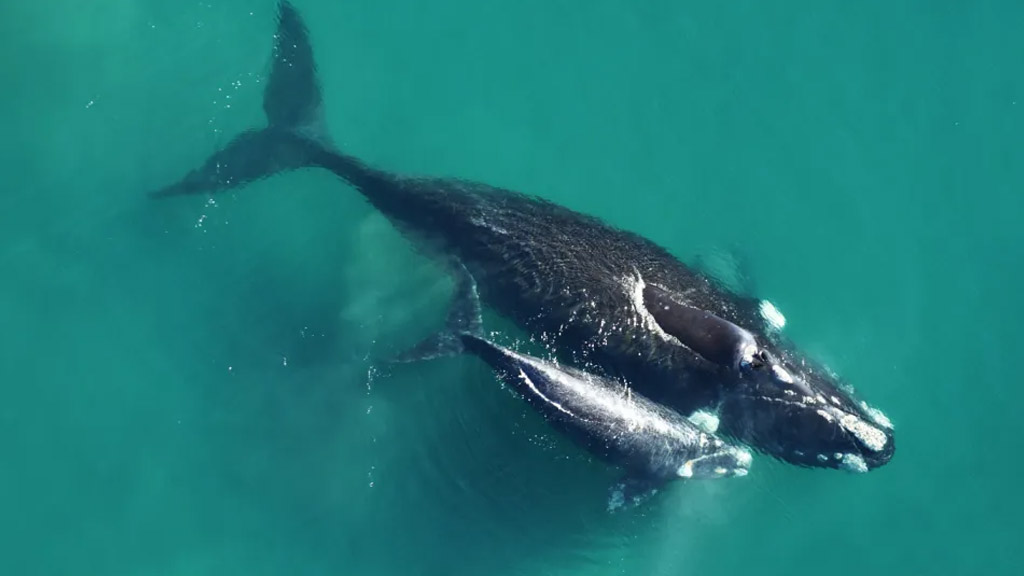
(799, 413)
(771, 398)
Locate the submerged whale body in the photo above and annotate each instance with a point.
(608, 297)
(651, 444)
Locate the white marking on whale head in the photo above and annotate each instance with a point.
(686, 470)
(867, 434)
(747, 354)
(705, 420)
(744, 458)
(853, 463)
(772, 315)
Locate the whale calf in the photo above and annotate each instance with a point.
(595, 293)
(651, 444)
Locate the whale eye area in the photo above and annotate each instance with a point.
(760, 360)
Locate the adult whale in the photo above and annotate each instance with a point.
(614, 300)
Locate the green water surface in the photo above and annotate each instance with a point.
(186, 384)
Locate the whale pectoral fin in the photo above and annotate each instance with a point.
(464, 316)
(632, 491)
(464, 312)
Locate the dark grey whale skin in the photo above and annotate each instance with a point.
(573, 281)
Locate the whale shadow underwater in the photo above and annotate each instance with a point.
(602, 297)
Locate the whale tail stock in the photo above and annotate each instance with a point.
(295, 135)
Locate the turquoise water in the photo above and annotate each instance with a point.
(187, 386)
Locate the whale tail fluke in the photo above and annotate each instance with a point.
(295, 135)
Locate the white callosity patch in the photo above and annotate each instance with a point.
(705, 420)
(747, 356)
(868, 435)
(871, 437)
(686, 470)
(744, 458)
(772, 315)
(853, 463)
